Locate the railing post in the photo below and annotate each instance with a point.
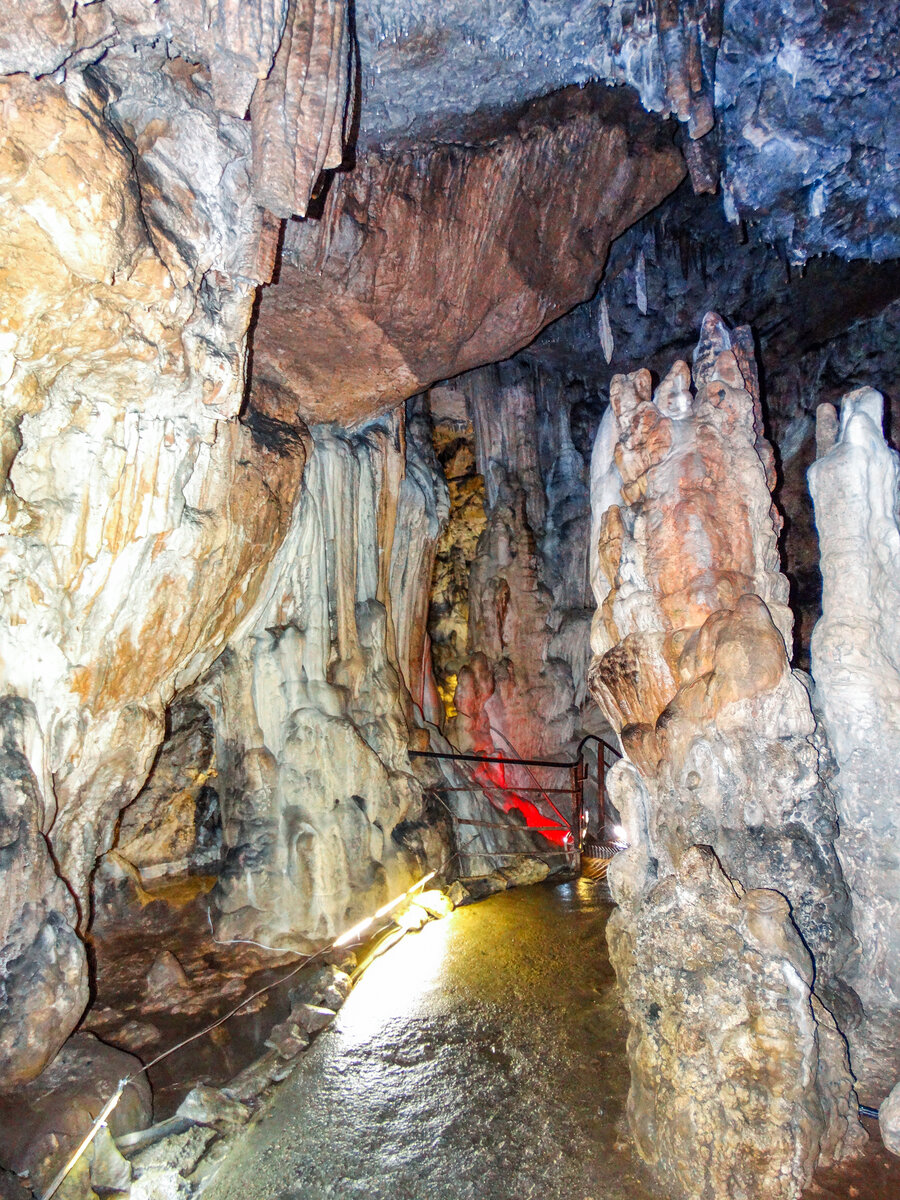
(578, 775)
(601, 789)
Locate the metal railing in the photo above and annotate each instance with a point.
(566, 828)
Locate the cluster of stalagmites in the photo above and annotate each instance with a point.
(740, 943)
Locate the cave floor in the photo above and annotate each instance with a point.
(481, 1057)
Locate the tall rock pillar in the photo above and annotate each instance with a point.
(855, 485)
(731, 899)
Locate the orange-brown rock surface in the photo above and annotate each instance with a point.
(427, 262)
(139, 514)
(139, 188)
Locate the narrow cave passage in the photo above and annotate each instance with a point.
(481, 1057)
(444, 448)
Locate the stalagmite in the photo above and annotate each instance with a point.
(740, 1082)
(855, 485)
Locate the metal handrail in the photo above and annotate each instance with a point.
(576, 766)
(521, 762)
(513, 762)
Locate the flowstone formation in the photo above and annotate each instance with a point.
(146, 485)
(282, 807)
(139, 514)
(740, 1084)
(323, 820)
(855, 485)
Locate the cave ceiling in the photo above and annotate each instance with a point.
(785, 111)
(798, 98)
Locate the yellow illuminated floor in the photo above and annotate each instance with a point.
(481, 1058)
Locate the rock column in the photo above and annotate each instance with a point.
(731, 899)
(855, 485)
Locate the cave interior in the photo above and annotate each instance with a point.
(442, 447)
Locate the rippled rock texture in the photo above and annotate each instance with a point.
(322, 818)
(139, 514)
(691, 668)
(739, 1082)
(431, 260)
(855, 484)
(511, 625)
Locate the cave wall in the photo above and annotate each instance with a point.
(162, 556)
(323, 820)
(139, 514)
(511, 608)
(723, 795)
(146, 487)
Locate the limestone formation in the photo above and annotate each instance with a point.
(139, 514)
(223, 220)
(521, 658)
(322, 818)
(889, 1120)
(42, 1125)
(173, 827)
(430, 261)
(43, 970)
(448, 614)
(739, 1080)
(855, 484)
(145, 491)
(284, 63)
(690, 666)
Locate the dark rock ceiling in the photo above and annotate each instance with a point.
(805, 92)
(684, 258)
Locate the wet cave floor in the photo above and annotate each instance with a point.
(483, 1057)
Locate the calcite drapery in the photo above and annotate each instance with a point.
(690, 667)
(855, 484)
(322, 817)
(521, 656)
(139, 515)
